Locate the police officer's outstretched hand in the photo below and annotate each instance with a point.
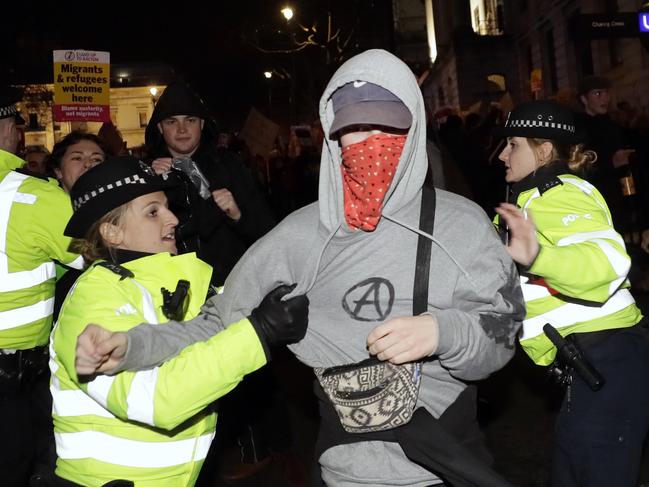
(280, 322)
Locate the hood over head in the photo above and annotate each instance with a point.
(177, 99)
(385, 70)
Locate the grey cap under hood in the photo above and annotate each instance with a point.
(395, 76)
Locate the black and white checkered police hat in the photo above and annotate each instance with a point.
(540, 119)
(107, 186)
(9, 96)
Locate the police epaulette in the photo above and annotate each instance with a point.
(549, 184)
(27, 172)
(123, 272)
(211, 291)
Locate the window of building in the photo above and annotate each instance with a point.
(143, 116)
(33, 122)
(526, 65)
(614, 52)
(583, 54)
(500, 17)
(487, 17)
(551, 61)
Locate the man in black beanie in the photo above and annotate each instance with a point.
(221, 211)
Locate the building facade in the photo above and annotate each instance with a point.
(557, 45)
(130, 111)
(134, 91)
(466, 46)
(507, 51)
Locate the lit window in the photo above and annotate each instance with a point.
(143, 116)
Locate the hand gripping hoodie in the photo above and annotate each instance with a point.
(356, 280)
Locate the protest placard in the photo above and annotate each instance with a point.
(81, 86)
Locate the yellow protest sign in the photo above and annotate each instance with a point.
(81, 86)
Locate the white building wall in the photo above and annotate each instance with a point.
(131, 108)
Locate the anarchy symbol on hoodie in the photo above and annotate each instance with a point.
(369, 300)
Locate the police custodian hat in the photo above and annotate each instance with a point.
(107, 186)
(541, 119)
(9, 96)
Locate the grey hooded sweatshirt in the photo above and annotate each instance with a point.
(355, 280)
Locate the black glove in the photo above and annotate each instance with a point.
(280, 322)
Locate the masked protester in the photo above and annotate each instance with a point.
(354, 252)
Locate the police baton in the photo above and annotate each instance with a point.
(571, 356)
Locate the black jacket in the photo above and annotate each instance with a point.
(203, 228)
(605, 137)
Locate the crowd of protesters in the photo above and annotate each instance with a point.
(385, 275)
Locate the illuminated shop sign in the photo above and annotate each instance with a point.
(643, 20)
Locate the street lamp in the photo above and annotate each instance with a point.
(153, 91)
(287, 12)
(268, 75)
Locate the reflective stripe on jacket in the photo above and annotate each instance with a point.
(578, 282)
(33, 214)
(152, 426)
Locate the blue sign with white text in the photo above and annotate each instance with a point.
(643, 18)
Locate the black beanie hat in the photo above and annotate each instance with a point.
(590, 83)
(178, 99)
(107, 186)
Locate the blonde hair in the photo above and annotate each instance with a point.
(93, 246)
(575, 156)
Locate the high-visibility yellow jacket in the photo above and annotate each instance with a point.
(33, 215)
(151, 427)
(578, 282)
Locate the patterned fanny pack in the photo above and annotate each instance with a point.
(372, 395)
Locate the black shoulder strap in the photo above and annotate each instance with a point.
(122, 272)
(424, 244)
(33, 174)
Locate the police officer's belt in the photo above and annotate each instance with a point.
(23, 366)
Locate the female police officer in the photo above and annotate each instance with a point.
(574, 266)
(148, 427)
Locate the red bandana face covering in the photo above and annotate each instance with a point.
(368, 169)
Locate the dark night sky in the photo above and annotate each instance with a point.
(205, 44)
